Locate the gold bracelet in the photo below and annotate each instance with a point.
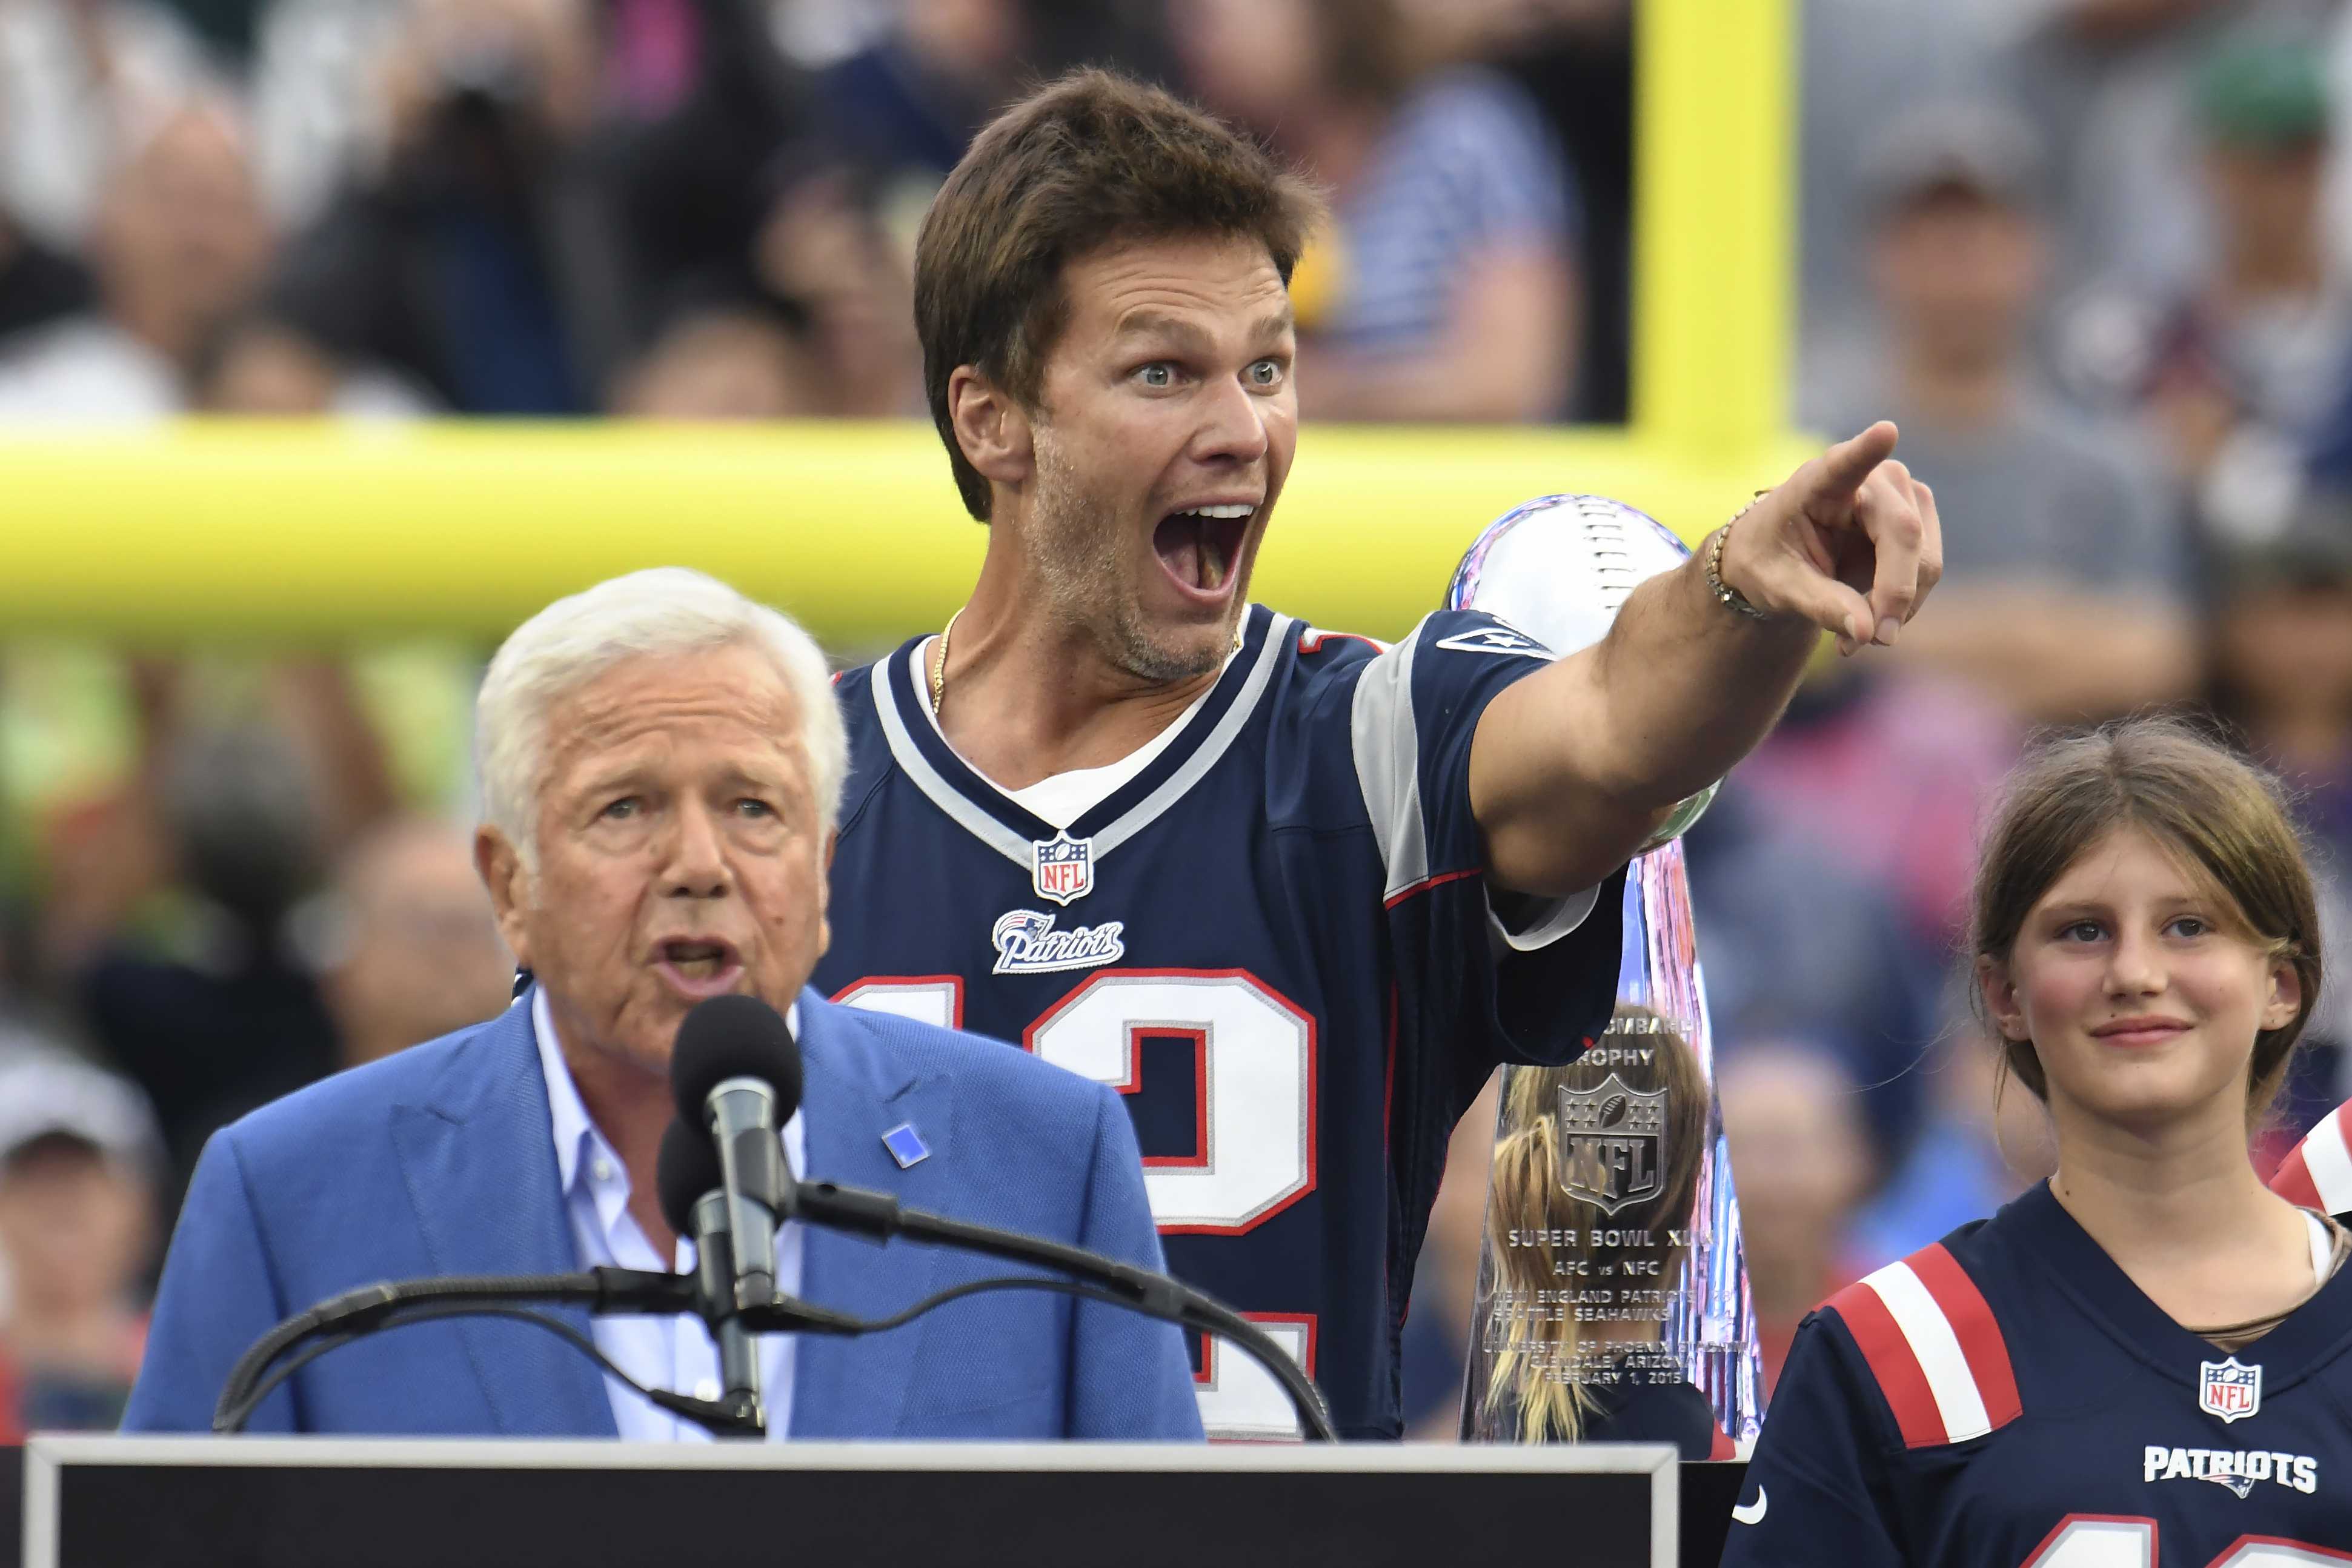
(1726, 595)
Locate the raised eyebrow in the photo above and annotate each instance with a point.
(1278, 323)
(624, 776)
(1145, 323)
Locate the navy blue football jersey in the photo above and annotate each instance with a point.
(1275, 941)
(2007, 1398)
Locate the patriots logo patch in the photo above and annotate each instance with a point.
(1496, 639)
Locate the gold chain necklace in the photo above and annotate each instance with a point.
(939, 667)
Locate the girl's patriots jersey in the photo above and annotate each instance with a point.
(1275, 941)
(2007, 1398)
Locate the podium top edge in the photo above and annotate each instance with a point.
(67, 1449)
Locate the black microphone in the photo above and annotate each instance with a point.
(746, 1044)
(694, 1202)
(735, 1073)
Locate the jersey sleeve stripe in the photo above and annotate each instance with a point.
(1889, 1355)
(2328, 1162)
(1388, 765)
(1978, 1332)
(1924, 1324)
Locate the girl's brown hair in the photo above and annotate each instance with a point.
(2225, 818)
(1533, 1372)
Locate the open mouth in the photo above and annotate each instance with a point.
(1201, 546)
(699, 966)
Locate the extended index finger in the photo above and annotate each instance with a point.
(1889, 510)
(1845, 466)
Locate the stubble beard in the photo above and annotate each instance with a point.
(1080, 565)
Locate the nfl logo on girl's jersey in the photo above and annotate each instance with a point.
(1065, 867)
(2228, 1389)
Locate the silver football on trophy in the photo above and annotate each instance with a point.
(1559, 568)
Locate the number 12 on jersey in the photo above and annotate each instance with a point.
(1253, 1153)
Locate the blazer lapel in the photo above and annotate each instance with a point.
(478, 1155)
(858, 1387)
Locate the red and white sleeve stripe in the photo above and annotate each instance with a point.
(2318, 1175)
(1934, 1346)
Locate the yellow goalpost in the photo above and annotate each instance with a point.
(323, 532)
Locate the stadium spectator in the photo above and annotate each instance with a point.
(2065, 582)
(2237, 367)
(483, 261)
(1447, 285)
(78, 1162)
(255, 364)
(903, 107)
(169, 920)
(1802, 1163)
(2111, 85)
(725, 359)
(180, 242)
(1885, 57)
(824, 248)
(80, 83)
(410, 952)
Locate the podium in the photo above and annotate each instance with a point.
(342, 1502)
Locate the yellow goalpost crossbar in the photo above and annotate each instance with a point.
(326, 531)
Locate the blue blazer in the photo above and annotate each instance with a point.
(441, 1160)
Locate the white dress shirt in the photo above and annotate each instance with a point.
(660, 1352)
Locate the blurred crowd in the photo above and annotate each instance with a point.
(2093, 256)
(706, 208)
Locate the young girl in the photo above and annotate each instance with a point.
(2145, 1361)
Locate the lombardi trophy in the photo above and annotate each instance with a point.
(1613, 1290)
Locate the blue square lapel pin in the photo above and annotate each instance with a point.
(906, 1145)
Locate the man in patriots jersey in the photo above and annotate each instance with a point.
(1293, 893)
(2319, 1173)
(2146, 1360)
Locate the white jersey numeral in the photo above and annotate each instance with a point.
(1255, 1110)
(1240, 1401)
(1255, 1114)
(2091, 1541)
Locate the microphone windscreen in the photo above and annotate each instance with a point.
(734, 1036)
(686, 1169)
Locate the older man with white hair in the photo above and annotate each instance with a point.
(661, 760)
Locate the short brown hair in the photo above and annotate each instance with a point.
(2225, 818)
(1091, 160)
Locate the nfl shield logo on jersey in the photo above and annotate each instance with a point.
(2228, 1389)
(1616, 1139)
(1065, 867)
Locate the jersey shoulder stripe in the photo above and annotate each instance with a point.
(2318, 1175)
(1932, 1343)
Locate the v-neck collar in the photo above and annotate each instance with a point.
(976, 803)
(2305, 1341)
